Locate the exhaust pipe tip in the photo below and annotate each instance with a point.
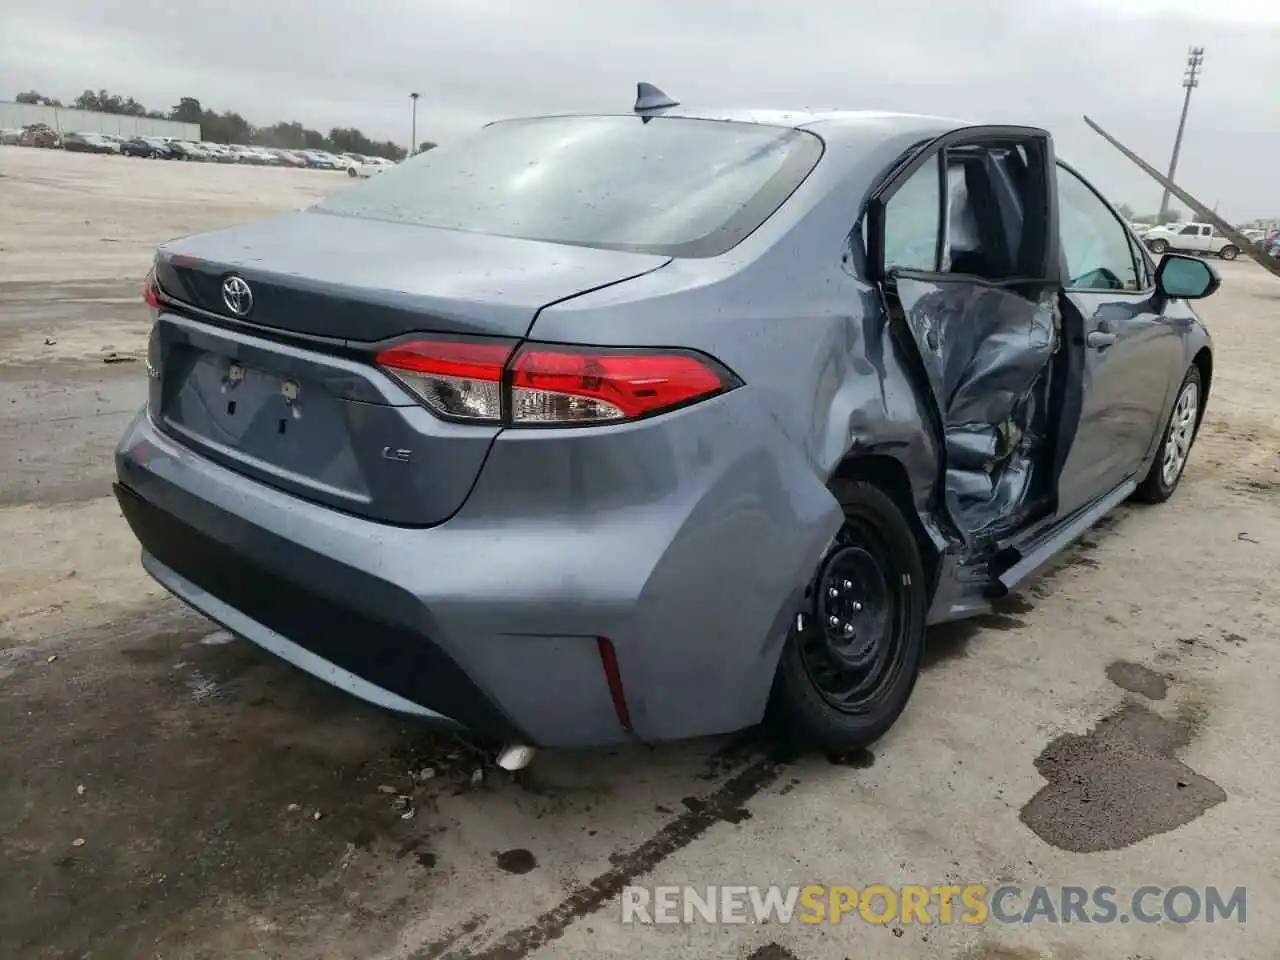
(516, 756)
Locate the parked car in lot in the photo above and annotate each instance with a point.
(369, 166)
(202, 152)
(218, 152)
(339, 161)
(152, 148)
(252, 155)
(1265, 240)
(10, 136)
(40, 135)
(185, 150)
(675, 432)
(287, 158)
(1190, 238)
(88, 143)
(318, 160)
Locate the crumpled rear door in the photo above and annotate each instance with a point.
(986, 352)
(963, 239)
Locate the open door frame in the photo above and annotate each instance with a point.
(1043, 258)
(1024, 300)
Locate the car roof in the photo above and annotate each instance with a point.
(832, 125)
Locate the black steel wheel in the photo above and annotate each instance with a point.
(853, 654)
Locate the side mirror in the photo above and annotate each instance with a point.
(1181, 277)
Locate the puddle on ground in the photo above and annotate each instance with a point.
(1118, 784)
(1138, 679)
(516, 861)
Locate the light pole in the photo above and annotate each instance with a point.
(1190, 80)
(413, 124)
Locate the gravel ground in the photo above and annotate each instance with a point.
(166, 791)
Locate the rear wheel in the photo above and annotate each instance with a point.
(1229, 252)
(351, 171)
(852, 657)
(1179, 433)
(1158, 246)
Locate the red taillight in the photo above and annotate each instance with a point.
(575, 385)
(150, 290)
(550, 384)
(458, 379)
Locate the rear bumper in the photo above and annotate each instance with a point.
(685, 542)
(377, 661)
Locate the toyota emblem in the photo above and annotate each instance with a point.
(237, 296)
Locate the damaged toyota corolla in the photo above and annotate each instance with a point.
(643, 426)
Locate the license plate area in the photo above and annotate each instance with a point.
(288, 422)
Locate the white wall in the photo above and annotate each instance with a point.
(67, 120)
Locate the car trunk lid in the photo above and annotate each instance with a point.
(288, 394)
(360, 280)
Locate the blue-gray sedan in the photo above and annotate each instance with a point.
(641, 426)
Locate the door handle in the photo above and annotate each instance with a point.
(1100, 339)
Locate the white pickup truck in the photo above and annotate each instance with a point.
(1190, 238)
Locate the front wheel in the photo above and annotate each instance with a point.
(351, 171)
(1229, 252)
(1179, 433)
(1158, 246)
(852, 656)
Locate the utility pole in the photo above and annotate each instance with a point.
(413, 125)
(1190, 80)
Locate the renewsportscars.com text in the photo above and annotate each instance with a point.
(970, 904)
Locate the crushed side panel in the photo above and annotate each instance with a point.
(987, 353)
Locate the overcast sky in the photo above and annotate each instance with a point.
(1042, 61)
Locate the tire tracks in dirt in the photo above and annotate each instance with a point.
(725, 804)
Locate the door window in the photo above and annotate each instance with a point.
(915, 237)
(973, 222)
(1146, 277)
(1095, 244)
(1190, 231)
(912, 223)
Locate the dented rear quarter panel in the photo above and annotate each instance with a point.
(823, 378)
(787, 311)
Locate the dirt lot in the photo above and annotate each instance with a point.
(168, 792)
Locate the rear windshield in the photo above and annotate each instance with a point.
(674, 186)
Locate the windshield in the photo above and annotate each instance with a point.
(667, 185)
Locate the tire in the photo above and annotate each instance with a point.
(351, 172)
(1229, 252)
(1159, 246)
(1180, 432)
(837, 710)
